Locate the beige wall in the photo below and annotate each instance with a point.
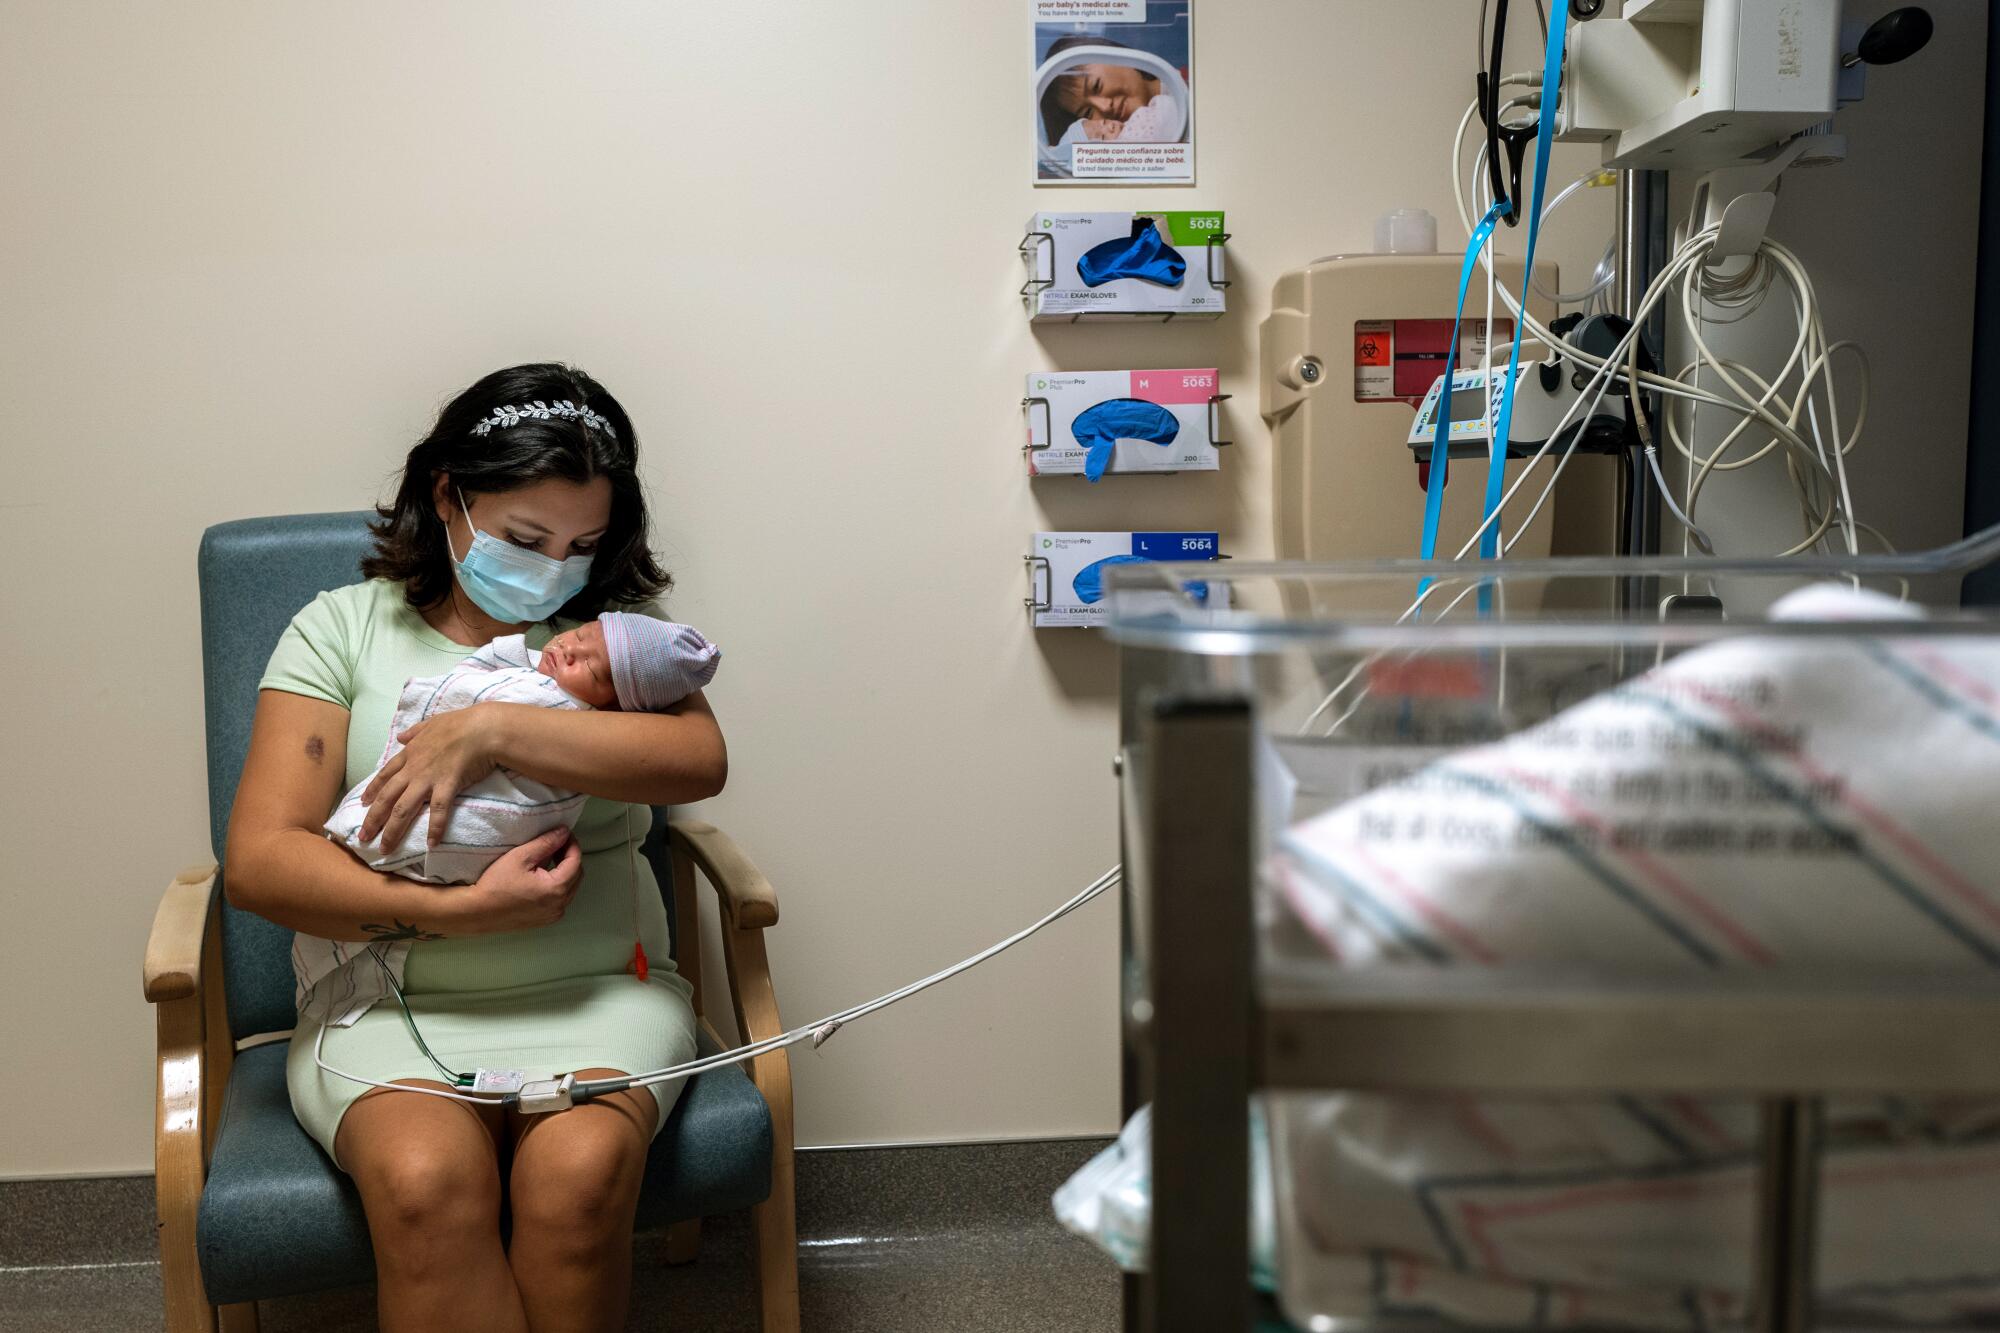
(248, 250)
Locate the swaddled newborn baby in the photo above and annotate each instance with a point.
(628, 662)
(1151, 123)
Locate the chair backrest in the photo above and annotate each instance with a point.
(255, 574)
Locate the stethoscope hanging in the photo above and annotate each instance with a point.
(1506, 187)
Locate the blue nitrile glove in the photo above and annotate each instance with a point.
(1143, 255)
(1099, 427)
(1089, 581)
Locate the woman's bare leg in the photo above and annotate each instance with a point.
(574, 1191)
(429, 1174)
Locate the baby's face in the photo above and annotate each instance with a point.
(577, 660)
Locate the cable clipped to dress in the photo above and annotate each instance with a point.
(638, 964)
(555, 1094)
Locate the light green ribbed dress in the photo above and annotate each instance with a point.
(548, 1000)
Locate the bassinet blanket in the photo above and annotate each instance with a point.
(1820, 805)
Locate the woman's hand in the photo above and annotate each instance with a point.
(441, 757)
(516, 893)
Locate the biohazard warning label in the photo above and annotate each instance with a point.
(1374, 360)
(1397, 360)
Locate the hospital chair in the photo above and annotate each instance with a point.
(250, 1207)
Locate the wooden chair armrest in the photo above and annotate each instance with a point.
(180, 924)
(749, 904)
(747, 897)
(184, 984)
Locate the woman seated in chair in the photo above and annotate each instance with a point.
(532, 967)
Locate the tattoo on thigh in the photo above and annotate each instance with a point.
(315, 748)
(402, 930)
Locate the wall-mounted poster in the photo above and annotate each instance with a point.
(1114, 92)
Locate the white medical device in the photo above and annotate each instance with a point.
(1710, 84)
(1699, 84)
(1543, 396)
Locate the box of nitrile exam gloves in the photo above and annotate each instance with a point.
(1087, 423)
(1124, 265)
(1066, 573)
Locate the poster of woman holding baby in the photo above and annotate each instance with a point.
(1114, 92)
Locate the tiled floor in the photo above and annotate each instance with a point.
(891, 1240)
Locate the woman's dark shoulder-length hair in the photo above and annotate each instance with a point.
(1066, 89)
(410, 538)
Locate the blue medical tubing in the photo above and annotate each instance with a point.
(1489, 538)
(1440, 453)
(1489, 541)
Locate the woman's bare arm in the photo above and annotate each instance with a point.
(280, 864)
(665, 758)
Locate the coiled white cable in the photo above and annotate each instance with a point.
(1735, 291)
(1741, 291)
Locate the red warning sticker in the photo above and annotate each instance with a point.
(1374, 360)
(1397, 360)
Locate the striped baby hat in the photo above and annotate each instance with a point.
(655, 662)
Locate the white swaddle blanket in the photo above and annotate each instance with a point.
(1155, 122)
(1812, 804)
(499, 812)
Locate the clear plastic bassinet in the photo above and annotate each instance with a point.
(1640, 848)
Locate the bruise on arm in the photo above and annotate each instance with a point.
(316, 748)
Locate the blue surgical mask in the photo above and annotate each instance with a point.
(511, 583)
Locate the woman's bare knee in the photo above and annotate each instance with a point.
(577, 1173)
(580, 1179)
(421, 1163)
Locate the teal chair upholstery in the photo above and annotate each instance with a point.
(276, 1216)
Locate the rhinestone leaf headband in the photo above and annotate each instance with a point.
(513, 415)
